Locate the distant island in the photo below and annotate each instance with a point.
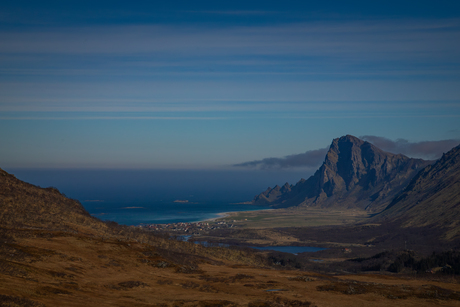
(243, 203)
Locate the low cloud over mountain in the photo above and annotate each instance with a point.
(426, 149)
(309, 159)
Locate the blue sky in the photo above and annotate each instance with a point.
(210, 84)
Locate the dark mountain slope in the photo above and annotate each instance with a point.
(23, 205)
(355, 174)
(271, 195)
(432, 197)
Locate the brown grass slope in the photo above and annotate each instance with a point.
(23, 205)
(355, 174)
(432, 198)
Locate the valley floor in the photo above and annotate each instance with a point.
(294, 217)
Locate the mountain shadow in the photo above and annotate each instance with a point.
(432, 198)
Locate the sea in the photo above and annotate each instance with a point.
(136, 197)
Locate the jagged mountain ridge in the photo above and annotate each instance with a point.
(431, 198)
(354, 174)
(272, 194)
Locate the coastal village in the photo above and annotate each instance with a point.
(194, 228)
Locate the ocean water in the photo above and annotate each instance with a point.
(161, 212)
(134, 197)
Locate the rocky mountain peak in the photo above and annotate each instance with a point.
(351, 161)
(355, 173)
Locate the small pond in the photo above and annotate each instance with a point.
(285, 249)
(290, 249)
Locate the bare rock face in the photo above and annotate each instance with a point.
(273, 194)
(355, 174)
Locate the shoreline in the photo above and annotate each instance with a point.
(216, 216)
(220, 215)
(144, 215)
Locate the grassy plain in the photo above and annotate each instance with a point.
(294, 218)
(345, 233)
(271, 227)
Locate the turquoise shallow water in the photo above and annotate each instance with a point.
(161, 212)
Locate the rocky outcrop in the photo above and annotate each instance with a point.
(272, 194)
(355, 174)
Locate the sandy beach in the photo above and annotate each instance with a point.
(222, 215)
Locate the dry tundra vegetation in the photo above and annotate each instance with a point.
(53, 253)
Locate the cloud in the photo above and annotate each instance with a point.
(349, 61)
(47, 118)
(425, 149)
(191, 68)
(355, 40)
(309, 159)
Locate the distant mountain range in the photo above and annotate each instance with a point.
(354, 174)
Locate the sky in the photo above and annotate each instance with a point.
(224, 84)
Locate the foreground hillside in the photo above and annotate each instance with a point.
(56, 269)
(355, 174)
(23, 205)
